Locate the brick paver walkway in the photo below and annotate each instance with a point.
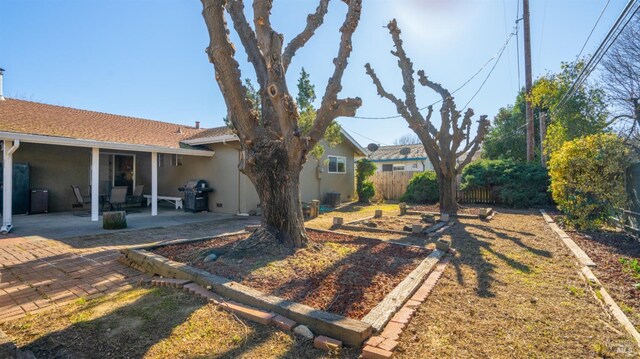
(37, 273)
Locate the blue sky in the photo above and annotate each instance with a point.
(146, 58)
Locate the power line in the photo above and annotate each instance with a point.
(618, 27)
(592, 29)
(363, 136)
(497, 54)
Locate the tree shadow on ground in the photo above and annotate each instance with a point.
(475, 248)
(127, 331)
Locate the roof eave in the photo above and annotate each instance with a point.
(75, 142)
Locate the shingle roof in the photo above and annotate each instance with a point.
(213, 132)
(385, 153)
(35, 118)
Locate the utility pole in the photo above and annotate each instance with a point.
(528, 80)
(543, 135)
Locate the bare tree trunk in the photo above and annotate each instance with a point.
(275, 173)
(447, 188)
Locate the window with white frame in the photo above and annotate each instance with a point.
(337, 164)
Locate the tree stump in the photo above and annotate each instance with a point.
(378, 213)
(403, 208)
(314, 209)
(114, 220)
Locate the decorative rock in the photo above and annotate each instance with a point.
(428, 218)
(303, 331)
(371, 224)
(444, 217)
(378, 213)
(416, 228)
(210, 258)
(338, 221)
(406, 229)
(114, 220)
(443, 245)
(485, 212)
(403, 208)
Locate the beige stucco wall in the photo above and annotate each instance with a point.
(56, 168)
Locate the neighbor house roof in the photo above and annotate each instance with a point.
(224, 133)
(38, 119)
(391, 153)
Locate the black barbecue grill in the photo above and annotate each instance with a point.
(195, 194)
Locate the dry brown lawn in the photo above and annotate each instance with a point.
(153, 323)
(513, 291)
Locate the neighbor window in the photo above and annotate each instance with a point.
(337, 164)
(398, 167)
(387, 168)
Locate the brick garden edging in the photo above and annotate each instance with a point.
(350, 331)
(383, 344)
(591, 279)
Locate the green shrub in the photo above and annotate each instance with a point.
(587, 179)
(423, 188)
(513, 184)
(365, 189)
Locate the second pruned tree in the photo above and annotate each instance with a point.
(448, 148)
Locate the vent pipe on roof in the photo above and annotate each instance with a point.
(1, 76)
(197, 125)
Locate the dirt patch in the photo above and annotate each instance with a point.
(394, 223)
(343, 274)
(513, 291)
(153, 323)
(614, 252)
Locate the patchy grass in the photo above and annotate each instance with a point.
(153, 323)
(513, 291)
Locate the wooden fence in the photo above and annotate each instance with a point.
(392, 184)
(478, 195)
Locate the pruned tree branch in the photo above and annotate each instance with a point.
(221, 54)
(313, 23)
(248, 38)
(331, 107)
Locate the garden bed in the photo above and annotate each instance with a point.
(467, 209)
(341, 274)
(614, 253)
(396, 223)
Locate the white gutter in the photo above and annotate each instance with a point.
(7, 185)
(212, 139)
(65, 141)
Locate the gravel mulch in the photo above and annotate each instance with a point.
(343, 274)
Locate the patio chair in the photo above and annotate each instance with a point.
(117, 198)
(81, 200)
(136, 197)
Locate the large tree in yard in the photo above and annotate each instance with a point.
(449, 148)
(273, 145)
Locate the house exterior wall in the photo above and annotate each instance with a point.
(315, 184)
(410, 165)
(56, 168)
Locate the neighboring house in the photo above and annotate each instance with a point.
(95, 151)
(400, 158)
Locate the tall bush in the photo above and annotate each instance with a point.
(365, 189)
(513, 184)
(587, 179)
(423, 188)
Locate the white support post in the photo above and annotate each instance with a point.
(154, 183)
(95, 183)
(7, 188)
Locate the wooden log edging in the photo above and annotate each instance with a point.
(593, 281)
(575, 249)
(459, 215)
(380, 315)
(351, 331)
